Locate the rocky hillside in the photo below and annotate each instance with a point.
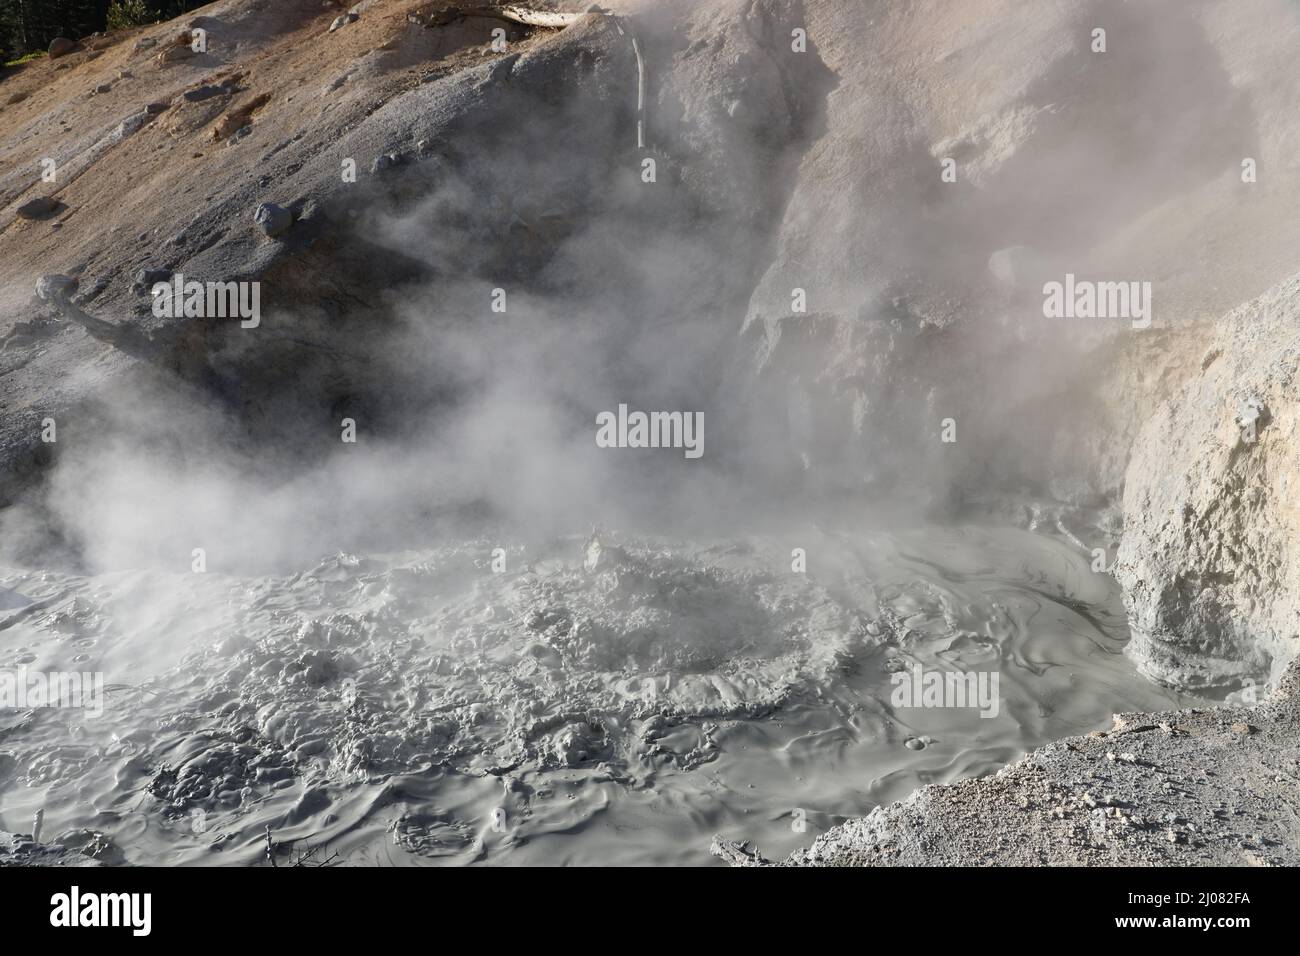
(820, 171)
(840, 253)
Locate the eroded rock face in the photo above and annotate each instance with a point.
(1210, 560)
(923, 296)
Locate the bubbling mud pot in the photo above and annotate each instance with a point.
(602, 700)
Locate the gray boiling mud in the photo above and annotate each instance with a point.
(606, 701)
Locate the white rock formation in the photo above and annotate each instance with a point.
(1210, 560)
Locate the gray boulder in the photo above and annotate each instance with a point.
(273, 220)
(52, 288)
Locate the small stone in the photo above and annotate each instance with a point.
(146, 279)
(199, 94)
(273, 219)
(1249, 411)
(54, 287)
(131, 125)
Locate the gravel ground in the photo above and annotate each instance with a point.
(1186, 788)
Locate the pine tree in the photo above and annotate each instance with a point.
(28, 26)
(129, 13)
